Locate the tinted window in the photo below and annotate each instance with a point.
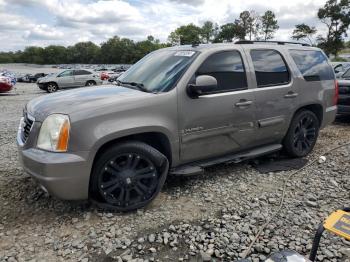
(227, 68)
(270, 68)
(82, 72)
(66, 73)
(313, 65)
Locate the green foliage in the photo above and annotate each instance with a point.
(208, 31)
(250, 22)
(302, 31)
(268, 25)
(185, 35)
(336, 16)
(230, 31)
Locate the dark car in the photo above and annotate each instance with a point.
(29, 78)
(344, 95)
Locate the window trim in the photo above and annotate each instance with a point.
(284, 61)
(72, 73)
(87, 72)
(229, 90)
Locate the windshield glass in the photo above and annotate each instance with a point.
(160, 70)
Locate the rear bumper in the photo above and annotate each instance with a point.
(62, 175)
(329, 116)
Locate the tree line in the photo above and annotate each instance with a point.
(335, 14)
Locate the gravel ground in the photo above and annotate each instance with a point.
(209, 217)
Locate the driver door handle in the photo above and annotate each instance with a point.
(243, 103)
(290, 95)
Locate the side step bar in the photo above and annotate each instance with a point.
(198, 167)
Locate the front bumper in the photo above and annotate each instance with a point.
(62, 175)
(41, 86)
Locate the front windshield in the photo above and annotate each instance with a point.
(159, 71)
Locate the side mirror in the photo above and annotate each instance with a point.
(204, 84)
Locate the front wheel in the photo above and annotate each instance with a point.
(128, 176)
(302, 134)
(90, 83)
(51, 88)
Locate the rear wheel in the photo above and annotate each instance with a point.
(128, 176)
(90, 83)
(51, 87)
(302, 134)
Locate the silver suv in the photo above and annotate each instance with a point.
(68, 79)
(177, 111)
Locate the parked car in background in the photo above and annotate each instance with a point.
(344, 93)
(117, 73)
(105, 75)
(23, 77)
(69, 79)
(340, 67)
(176, 111)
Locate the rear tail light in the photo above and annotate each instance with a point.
(336, 92)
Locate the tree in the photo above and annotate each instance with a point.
(230, 31)
(268, 25)
(186, 34)
(208, 31)
(336, 16)
(249, 20)
(302, 31)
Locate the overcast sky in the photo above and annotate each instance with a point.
(65, 22)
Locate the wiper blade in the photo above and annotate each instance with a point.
(139, 86)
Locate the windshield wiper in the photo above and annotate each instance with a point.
(139, 86)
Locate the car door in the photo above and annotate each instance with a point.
(81, 77)
(221, 121)
(65, 79)
(276, 94)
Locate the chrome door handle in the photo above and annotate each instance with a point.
(291, 95)
(244, 103)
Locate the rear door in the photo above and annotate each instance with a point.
(276, 94)
(65, 79)
(81, 77)
(221, 121)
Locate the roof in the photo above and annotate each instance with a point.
(278, 44)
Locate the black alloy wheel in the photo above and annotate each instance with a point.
(129, 176)
(302, 134)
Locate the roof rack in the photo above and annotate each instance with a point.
(274, 42)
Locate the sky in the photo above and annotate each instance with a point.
(65, 22)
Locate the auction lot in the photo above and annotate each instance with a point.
(218, 213)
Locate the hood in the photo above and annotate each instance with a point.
(87, 99)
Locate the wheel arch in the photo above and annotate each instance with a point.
(317, 109)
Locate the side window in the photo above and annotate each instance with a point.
(227, 67)
(312, 65)
(270, 68)
(81, 72)
(66, 73)
(346, 74)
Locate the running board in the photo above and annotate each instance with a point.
(198, 167)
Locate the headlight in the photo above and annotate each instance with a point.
(54, 133)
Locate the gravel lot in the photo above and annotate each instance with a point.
(210, 216)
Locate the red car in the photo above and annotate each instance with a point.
(104, 76)
(5, 84)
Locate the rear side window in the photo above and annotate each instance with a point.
(312, 65)
(228, 69)
(81, 72)
(270, 68)
(346, 74)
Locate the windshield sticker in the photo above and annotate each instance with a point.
(184, 53)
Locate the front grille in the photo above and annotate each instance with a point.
(27, 127)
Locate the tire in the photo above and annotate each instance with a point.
(90, 83)
(302, 134)
(128, 176)
(51, 87)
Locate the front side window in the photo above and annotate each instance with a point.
(160, 70)
(270, 68)
(312, 65)
(66, 73)
(228, 69)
